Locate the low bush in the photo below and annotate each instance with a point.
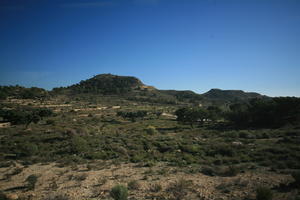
(133, 185)
(79, 145)
(119, 192)
(209, 171)
(56, 197)
(151, 130)
(50, 122)
(31, 181)
(80, 177)
(155, 188)
(296, 176)
(264, 193)
(179, 189)
(230, 171)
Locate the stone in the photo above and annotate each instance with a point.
(12, 196)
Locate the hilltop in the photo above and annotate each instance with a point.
(107, 84)
(133, 89)
(231, 95)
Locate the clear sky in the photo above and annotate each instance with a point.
(252, 45)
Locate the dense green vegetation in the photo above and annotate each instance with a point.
(119, 192)
(257, 113)
(108, 137)
(270, 113)
(24, 115)
(22, 92)
(132, 115)
(198, 115)
(217, 95)
(106, 84)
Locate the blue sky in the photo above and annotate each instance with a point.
(252, 45)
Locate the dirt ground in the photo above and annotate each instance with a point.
(95, 180)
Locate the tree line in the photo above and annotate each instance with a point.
(257, 113)
(132, 115)
(25, 115)
(22, 92)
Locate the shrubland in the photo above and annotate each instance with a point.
(148, 129)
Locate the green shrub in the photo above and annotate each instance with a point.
(245, 134)
(151, 130)
(264, 193)
(225, 150)
(119, 192)
(230, 171)
(79, 145)
(133, 185)
(296, 177)
(232, 134)
(80, 177)
(193, 149)
(30, 149)
(179, 189)
(137, 158)
(155, 187)
(97, 155)
(50, 122)
(209, 171)
(31, 181)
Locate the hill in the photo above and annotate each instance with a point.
(132, 89)
(107, 84)
(219, 95)
(22, 92)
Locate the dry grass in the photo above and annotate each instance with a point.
(97, 183)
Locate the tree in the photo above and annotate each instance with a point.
(214, 113)
(3, 95)
(191, 115)
(266, 113)
(25, 115)
(132, 115)
(44, 112)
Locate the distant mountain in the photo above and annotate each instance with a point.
(184, 95)
(230, 95)
(132, 89)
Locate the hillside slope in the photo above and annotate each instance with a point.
(230, 95)
(133, 89)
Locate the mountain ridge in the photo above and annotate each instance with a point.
(134, 89)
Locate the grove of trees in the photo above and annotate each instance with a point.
(266, 113)
(197, 115)
(25, 115)
(22, 92)
(257, 113)
(132, 115)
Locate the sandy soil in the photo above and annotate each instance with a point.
(95, 180)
